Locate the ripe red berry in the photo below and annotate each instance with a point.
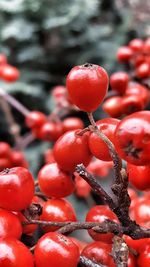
(54, 182)
(9, 73)
(72, 149)
(48, 156)
(57, 210)
(14, 253)
(97, 146)
(16, 188)
(136, 45)
(35, 119)
(124, 54)
(136, 244)
(99, 214)
(131, 104)
(5, 150)
(10, 225)
(144, 256)
(18, 159)
(139, 176)
(113, 106)
(72, 123)
(59, 91)
(83, 189)
(87, 86)
(143, 71)
(146, 47)
(142, 212)
(119, 81)
(133, 138)
(140, 90)
(5, 163)
(50, 131)
(56, 250)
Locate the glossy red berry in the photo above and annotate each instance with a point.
(16, 188)
(5, 150)
(50, 131)
(18, 159)
(54, 182)
(133, 138)
(72, 123)
(87, 86)
(144, 256)
(119, 81)
(113, 106)
(9, 73)
(142, 212)
(14, 253)
(97, 146)
(56, 250)
(5, 163)
(10, 225)
(136, 244)
(124, 54)
(143, 71)
(35, 119)
(99, 214)
(134, 89)
(139, 176)
(136, 45)
(57, 210)
(66, 150)
(131, 104)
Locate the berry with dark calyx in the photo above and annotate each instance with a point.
(139, 176)
(57, 210)
(119, 81)
(54, 182)
(113, 106)
(72, 149)
(97, 146)
(124, 54)
(14, 253)
(133, 138)
(54, 249)
(16, 188)
(100, 213)
(87, 86)
(9, 73)
(50, 131)
(72, 123)
(35, 119)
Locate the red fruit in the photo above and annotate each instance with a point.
(97, 146)
(139, 176)
(124, 54)
(59, 91)
(9, 73)
(83, 189)
(99, 214)
(142, 212)
(136, 45)
(27, 229)
(131, 104)
(119, 81)
(57, 210)
(56, 250)
(54, 182)
(5, 150)
(144, 256)
(10, 225)
(72, 123)
(143, 71)
(136, 244)
(87, 86)
(146, 47)
(138, 60)
(50, 131)
(133, 138)
(72, 149)
(48, 156)
(99, 167)
(113, 106)
(5, 163)
(14, 253)
(139, 90)
(3, 59)
(99, 252)
(18, 159)
(16, 189)
(80, 244)
(35, 119)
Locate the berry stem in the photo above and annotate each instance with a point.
(84, 261)
(120, 252)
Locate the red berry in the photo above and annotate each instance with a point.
(113, 106)
(136, 45)
(133, 138)
(57, 210)
(5, 150)
(16, 188)
(139, 176)
(124, 54)
(3, 59)
(48, 156)
(99, 214)
(140, 90)
(72, 149)
(35, 119)
(131, 104)
(5, 163)
(56, 250)
(144, 256)
(72, 123)
(14, 253)
(10, 225)
(143, 71)
(136, 244)
(138, 60)
(87, 86)
(146, 47)
(142, 212)
(99, 168)
(119, 81)
(97, 146)
(18, 159)
(9, 73)
(83, 189)
(54, 182)
(59, 91)
(50, 131)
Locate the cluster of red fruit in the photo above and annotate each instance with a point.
(8, 72)
(11, 158)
